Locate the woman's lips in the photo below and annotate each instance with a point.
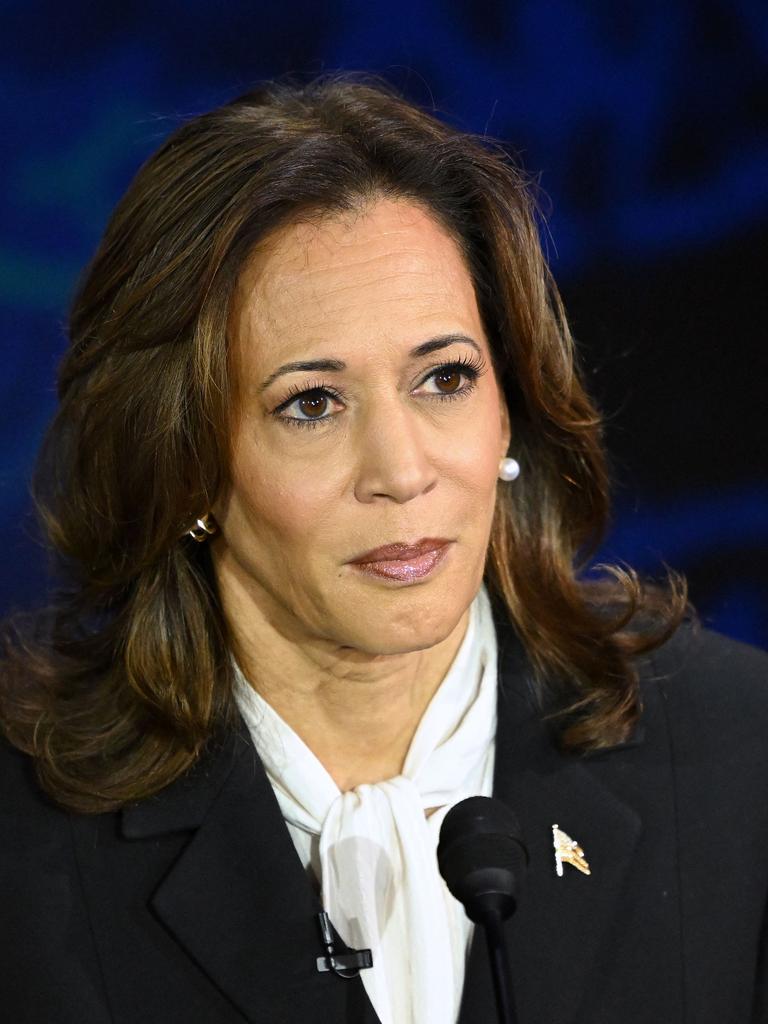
(405, 569)
(401, 551)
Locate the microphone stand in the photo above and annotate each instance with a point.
(482, 858)
(498, 955)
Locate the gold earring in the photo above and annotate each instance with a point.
(202, 529)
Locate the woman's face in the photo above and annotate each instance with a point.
(378, 448)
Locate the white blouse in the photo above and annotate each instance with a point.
(372, 849)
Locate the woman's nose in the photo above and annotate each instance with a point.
(393, 458)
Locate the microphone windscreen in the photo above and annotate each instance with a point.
(482, 856)
(479, 814)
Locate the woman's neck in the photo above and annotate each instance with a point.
(357, 712)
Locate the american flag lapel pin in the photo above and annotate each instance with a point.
(568, 851)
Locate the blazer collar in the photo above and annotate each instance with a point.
(240, 903)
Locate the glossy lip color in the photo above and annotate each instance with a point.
(405, 569)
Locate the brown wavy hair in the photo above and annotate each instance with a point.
(117, 688)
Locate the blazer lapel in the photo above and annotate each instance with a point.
(560, 922)
(237, 899)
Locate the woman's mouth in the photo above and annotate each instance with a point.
(406, 568)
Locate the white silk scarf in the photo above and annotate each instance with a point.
(373, 848)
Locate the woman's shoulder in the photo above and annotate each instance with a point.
(20, 792)
(37, 865)
(714, 690)
(711, 660)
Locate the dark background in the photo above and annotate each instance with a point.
(645, 123)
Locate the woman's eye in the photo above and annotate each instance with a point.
(451, 377)
(310, 408)
(311, 404)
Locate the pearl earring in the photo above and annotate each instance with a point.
(509, 469)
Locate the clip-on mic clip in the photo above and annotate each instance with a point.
(345, 965)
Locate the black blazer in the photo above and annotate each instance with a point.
(192, 907)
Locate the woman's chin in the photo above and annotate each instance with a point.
(378, 629)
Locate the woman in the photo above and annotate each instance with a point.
(320, 485)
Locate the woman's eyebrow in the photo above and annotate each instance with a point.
(336, 365)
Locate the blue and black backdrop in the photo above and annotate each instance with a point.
(645, 123)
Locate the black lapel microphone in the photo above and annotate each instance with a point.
(482, 857)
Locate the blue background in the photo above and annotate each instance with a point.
(646, 124)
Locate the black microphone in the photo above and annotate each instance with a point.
(482, 857)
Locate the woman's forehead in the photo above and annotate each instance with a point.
(391, 265)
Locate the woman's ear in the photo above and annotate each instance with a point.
(506, 430)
